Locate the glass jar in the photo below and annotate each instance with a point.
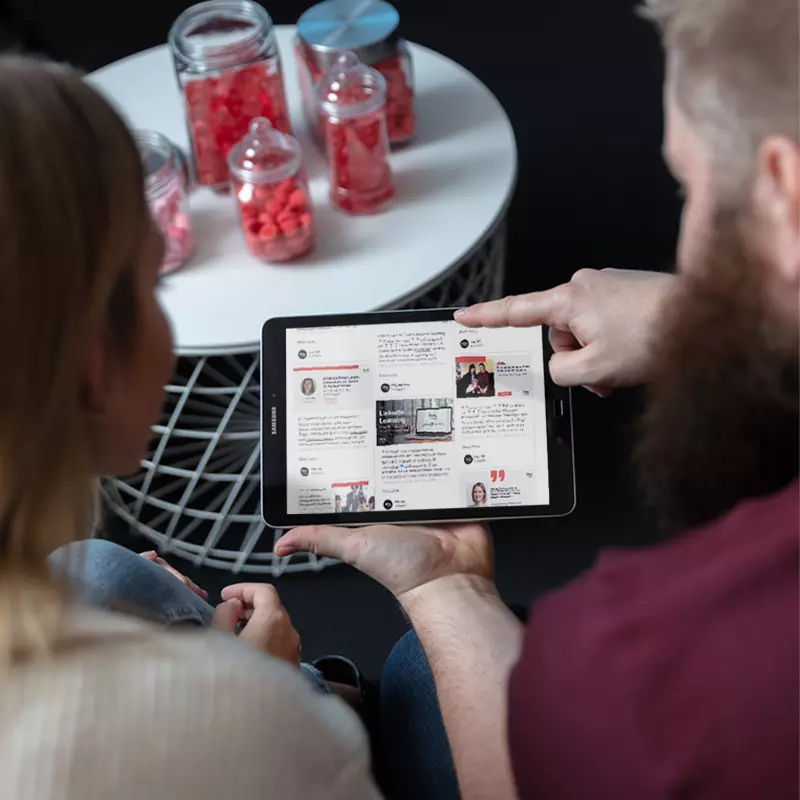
(272, 193)
(165, 188)
(228, 67)
(353, 106)
(333, 27)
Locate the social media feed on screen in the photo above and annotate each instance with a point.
(414, 416)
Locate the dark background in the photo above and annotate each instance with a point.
(581, 83)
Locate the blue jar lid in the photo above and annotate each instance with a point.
(337, 25)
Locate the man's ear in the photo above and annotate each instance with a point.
(777, 197)
(95, 377)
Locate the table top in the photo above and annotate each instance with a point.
(453, 184)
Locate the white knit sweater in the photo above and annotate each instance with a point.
(127, 711)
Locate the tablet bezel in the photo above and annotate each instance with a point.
(560, 450)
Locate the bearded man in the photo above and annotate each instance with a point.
(670, 672)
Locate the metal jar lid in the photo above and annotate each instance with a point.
(367, 27)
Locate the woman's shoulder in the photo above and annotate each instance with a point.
(218, 715)
(160, 659)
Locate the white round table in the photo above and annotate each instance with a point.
(442, 244)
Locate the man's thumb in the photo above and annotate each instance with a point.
(322, 540)
(226, 615)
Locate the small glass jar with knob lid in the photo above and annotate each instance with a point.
(228, 67)
(370, 29)
(353, 113)
(165, 188)
(271, 192)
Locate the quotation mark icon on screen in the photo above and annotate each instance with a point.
(498, 475)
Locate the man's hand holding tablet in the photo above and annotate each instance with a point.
(402, 558)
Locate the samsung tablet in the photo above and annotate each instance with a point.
(407, 416)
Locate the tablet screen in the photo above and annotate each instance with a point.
(414, 415)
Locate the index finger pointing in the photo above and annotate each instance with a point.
(521, 311)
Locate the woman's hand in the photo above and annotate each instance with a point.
(151, 555)
(602, 325)
(266, 623)
(402, 558)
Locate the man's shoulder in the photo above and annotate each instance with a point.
(751, 552)
(685, 653)
(757, 533)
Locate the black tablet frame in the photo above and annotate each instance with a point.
(560, 451)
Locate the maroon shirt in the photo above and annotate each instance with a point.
(670, 672)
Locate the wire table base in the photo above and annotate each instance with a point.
(198, 492)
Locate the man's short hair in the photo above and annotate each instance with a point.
(735, 68)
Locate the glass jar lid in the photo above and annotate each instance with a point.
(367, 26)
(351, 89)
(264, 155)
(158, 159)
(222, 33)
(161, 159)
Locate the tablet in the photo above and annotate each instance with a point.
(407, 416)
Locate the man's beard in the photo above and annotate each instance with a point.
(721, 423)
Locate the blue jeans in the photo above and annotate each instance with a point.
(105, 575)
(414, 756)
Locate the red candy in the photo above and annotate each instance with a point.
(361, 179)
(304, 57)
(220, 108)
(400, 120)
(354, 131)
(276, 218)
(173, 220)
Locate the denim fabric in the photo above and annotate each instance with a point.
(105, 575)
(415, 760)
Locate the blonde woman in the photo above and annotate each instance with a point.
(478, 496)
(96, 704)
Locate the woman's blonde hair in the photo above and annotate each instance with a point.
(72, 218)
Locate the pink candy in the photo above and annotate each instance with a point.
(171, 215)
